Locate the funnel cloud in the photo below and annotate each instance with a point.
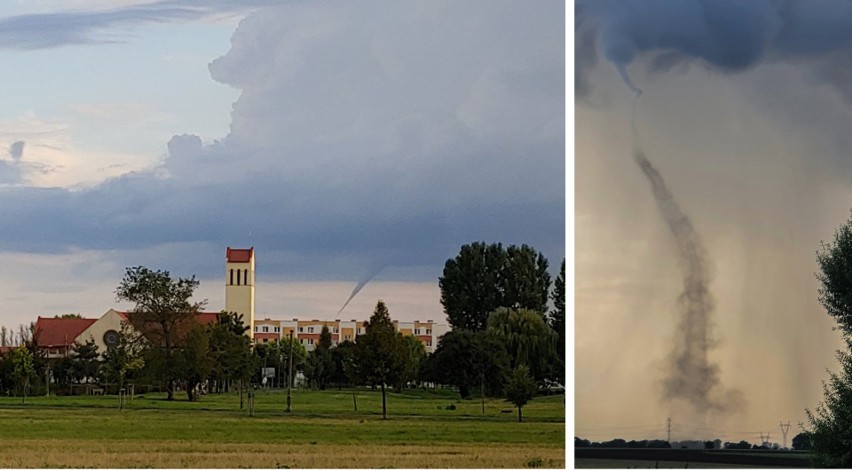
(16, 150)
(690, 376)
(363, 282)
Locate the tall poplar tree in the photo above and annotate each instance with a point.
(484, 277)
(557, 316)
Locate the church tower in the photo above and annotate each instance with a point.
(239, 284)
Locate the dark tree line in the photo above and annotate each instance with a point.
(621, 444)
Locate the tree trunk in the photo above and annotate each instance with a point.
(482, 392)
(520, 414)
(464, 391)
(170, 390)
(384, 404)
(354, 400)
(241, 393)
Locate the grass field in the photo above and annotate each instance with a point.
(322, 431)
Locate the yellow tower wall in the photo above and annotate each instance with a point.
(239, 291)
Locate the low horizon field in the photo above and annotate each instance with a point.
(323, 431)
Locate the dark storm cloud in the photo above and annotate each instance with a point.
(725, 35)
(368, 134)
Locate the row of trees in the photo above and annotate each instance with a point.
(504, 342)
(800, 442)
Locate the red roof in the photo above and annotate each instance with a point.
(53, 332)
(206, 318)
(239, 255)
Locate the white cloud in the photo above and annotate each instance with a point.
(54, 158)
(390, 133)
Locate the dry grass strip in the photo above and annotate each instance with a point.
(78, 453)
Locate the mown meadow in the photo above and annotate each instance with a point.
(424, 429)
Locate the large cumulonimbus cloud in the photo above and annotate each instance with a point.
(368, 134)
(724, 35)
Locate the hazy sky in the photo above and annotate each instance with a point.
(339, 138)
(745, 111)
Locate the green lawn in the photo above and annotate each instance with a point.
(322, 431)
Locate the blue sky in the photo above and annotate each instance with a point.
(339, 139)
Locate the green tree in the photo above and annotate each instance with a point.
(29, 340)
(520, 388)
(802, 441)
(124, 360)
(482, 278)
(164, 314)
(557, 317)
(7, 383)
(230, 350)
(193, 360)
(831, 433)
(320, 366)
(468, 360)
(300, 356)
(380, 353)
(85, 361)
(529, 340)
(62, 370)
(348, 356)
(526, 282)
(340, 355)
(835, 277)
(23, 371)
(416, 355)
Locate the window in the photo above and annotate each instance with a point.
(232, 277)
(310, 329)
(277, 329)
(245, 277)
(428, 331)
(347, 337)
(302, 341)
(301, 329)
(265, 340)
(417, 331)
(310, 341)
(238, 277)
(334, 330)
(265, 330)
(257, 329)
(360, 331)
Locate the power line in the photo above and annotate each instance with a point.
(784, 429)
(669, 428)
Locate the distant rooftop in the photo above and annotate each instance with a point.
(239, 255)
(55, 332)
